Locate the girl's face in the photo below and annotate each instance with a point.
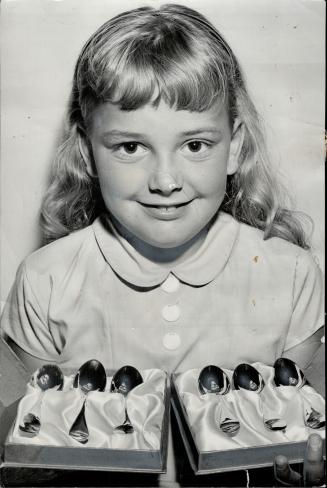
(163, 172)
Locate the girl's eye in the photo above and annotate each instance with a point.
(196, 148)
(130, 149)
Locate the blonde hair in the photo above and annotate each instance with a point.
(172, 54)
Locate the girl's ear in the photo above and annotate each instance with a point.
(85, 150)
(235, 147)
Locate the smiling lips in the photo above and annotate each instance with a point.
(166, 212)
(165, 207)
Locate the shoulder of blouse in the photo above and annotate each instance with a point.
(60, 253)
(276, 252)
(252, 239)
(290, 264)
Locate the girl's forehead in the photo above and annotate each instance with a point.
(110, 117)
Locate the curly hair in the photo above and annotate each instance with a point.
(176, 55)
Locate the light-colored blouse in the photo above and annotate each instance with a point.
(238, 298)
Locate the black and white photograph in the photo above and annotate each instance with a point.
(162, 243)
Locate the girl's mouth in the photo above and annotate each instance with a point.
(166, 207)
(166, 212)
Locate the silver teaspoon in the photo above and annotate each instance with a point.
(287, 373)
(123, 381)
(248, 378)
(91, 376)
(213, 380)
(47, 377)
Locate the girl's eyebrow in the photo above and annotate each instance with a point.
(200, 130)
(136, 135)
(122, 133)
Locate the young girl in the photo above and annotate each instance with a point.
(170, 245)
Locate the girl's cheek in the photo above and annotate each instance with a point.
(124, 180)
(209, 182)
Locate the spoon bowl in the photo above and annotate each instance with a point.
(47, 377)
(287, 373)
(123, 381)
(213, 379)
(91, 376)
(246, 377)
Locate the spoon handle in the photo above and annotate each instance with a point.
(226, 419)
(271, 419)
(79, 430)
(126, 427)
(312, 418)
(31, 422)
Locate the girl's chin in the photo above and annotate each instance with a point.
(163, 243)
(170, 250)
(169, 243)
(166, 245)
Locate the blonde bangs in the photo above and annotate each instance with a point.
(142, 65)
(184, 85)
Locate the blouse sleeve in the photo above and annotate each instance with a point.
(24, 317)
(308, 301)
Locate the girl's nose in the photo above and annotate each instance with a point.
(164, 183)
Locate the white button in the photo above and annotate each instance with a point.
(171, 341)
(171, 284)
(171, 313)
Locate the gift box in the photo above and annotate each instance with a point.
(107, 449)
(210, 450)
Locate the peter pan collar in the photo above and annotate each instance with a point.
(198, 270)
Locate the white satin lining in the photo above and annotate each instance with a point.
(248, 408)
(104, 411)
